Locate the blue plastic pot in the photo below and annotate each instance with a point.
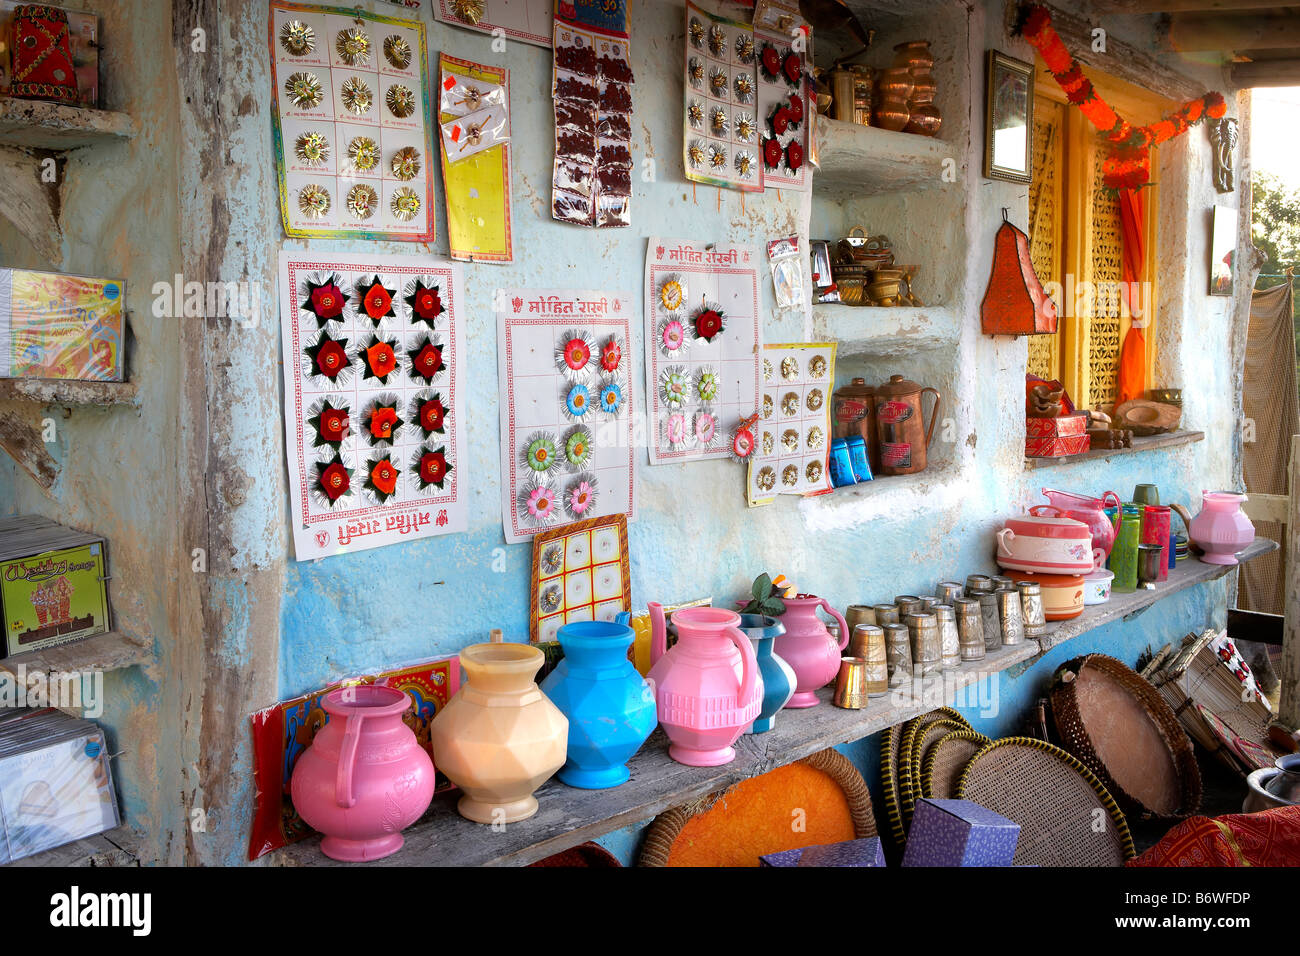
(611, 707)
(778, 679)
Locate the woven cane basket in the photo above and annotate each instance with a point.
(946, 759)
(1066, 816)
(924, 740)
(1121, 729)
(891, 742)
(906, 786)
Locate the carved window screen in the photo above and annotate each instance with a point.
(1046, 225)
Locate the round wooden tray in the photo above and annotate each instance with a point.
(1120, 728)
(1057, 801)
(946, 759)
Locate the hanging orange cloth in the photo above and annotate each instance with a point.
(1133, 354)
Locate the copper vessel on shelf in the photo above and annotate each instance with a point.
(893, 89)
(924, 117)
(904, 434)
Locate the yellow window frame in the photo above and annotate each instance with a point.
(1081, 146)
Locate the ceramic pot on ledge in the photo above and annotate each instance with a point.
(500, 737)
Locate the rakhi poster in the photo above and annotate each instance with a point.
(793, 432)
(566, 408)
(283, 732)
(592, 79)
(722, 127)
(784, 108)
(474, 118)
(353, 127)
(371, 373)
(702, 344)
(526, 20)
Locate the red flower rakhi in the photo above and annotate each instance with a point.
(792, 67)
(383, 422)
(333, 480)
(709, 322)
(794, 156)
(426, 360)
(431, 415)
(382, 479)
(380, 359)
(780, 120)
(331, 425)
(772, 153)
(795, 106)
(329, 357)
(376, 301)
(432, 468)
(610, 355)
(325, 300)
(770, 61)
(425, 302)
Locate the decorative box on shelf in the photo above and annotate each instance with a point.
(1057, 437)
(959, 833)
(864, 852)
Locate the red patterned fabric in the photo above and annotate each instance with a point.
(1271, 838)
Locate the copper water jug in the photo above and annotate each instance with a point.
(903, 434)
(853, 413)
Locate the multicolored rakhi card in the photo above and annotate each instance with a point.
(793, 433)
(353, 128)
(702, 343)
(566, 408)
(371, 376)
(580, 573)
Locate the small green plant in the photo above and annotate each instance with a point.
(766, 599)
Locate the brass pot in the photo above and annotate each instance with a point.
(915, 55)
(884, 286)
(851, 283)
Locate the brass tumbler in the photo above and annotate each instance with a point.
(886, 614)
(856, 614)
(1031, 609)
(927, 646)
(898, 654)
(949, 641)
(854, 686)
(948, 591)
(977, 584)
(1011, 616)
(991, 620)
(970, 628)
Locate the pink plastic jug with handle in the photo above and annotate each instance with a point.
(365, 777)
(1092, 512)
(808, 647)
(707, 687)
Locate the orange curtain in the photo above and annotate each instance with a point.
(1133, 354)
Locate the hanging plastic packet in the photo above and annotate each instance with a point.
(787, 272)
(461, 95)
(467, 135)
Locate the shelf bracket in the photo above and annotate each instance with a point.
(22, 440)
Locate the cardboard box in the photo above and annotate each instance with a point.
(83, 42)
(959, 833)
(865, 852)
(53, 584)
(1056, 437)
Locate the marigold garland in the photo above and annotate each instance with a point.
(1129, 164)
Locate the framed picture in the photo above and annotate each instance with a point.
(1009, 116)
(1223, 250)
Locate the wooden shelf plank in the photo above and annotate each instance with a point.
(33, 124)
(110, 651)
(568, 817)
(116, 847)
(886, 332)
(1147, 443)
(1188, 573)
(858, 160)
(52, 391)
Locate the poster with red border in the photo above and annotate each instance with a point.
(373, 435)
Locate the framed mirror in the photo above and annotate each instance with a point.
(1009, 115)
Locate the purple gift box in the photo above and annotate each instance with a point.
(866, 852)
(959, 833)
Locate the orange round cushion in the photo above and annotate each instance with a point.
(784, 809)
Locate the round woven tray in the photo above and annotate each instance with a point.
(946, 759)
(906, 790)
(1057, 801)
(922, 743)
(890, 744)
(1121, 729)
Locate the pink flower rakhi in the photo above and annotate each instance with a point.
(537, 502)
(580, 496)
(676, 433)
